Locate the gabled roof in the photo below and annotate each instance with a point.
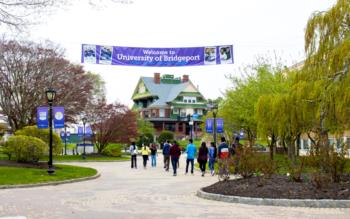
(164, 92)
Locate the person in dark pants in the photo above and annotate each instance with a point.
(154, 155)
(145, 151)
(166, 154)
(133, 153)
(202, 157)
(175, 153)
(191, 151)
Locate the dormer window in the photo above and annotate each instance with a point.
(189, 99)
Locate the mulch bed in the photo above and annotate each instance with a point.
(10, 163)
(280, 187)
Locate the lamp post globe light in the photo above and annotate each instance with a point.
(84, 122)
(50, 95)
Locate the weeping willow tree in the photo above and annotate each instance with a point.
(239, 104)
(325, 79)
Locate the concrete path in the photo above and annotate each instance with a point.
(152, 193)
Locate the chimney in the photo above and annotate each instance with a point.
(156, 78)
(185, 78)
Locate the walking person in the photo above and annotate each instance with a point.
(153, 155)
(202, 157)
(133, 153)
(212, 157)
(191, 152)
(166, 154)
(223, 154)
(175, 153)
(145, 151)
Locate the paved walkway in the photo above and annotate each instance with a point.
(152, 193)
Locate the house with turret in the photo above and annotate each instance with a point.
(170, 103)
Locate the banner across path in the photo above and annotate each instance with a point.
(157, 57)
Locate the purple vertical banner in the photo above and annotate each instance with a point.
(209, 123)
(220, 125)
(58, 117)
(88, 131)
(80, 131)
(42, 117)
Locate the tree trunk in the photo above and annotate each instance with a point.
(291, 149)
(272, 146)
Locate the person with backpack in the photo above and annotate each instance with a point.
(166, 154)
(145, 151)
(212, 157)
(191, 152)
(153, 155)
(223, 149)
(202, 157)
(175, 153)
(133, 153)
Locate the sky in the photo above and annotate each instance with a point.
(255, 28)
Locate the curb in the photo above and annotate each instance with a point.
(312, 203)
(52, 183)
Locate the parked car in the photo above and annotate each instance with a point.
(260, 147)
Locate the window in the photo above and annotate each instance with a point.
(331, 141)
(161, 112)
(154, 113)
(199, 111)
(175, 111)
(189, 99)
(348, 142)
(306, 144)
(183, 112)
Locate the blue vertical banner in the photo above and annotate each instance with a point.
(80, 131)
(58, 117)
(42, 117)
(88, 131)
(209, 123)
(220, 125)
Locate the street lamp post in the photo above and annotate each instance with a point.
(214, 109)
(50, 95)
(84, 122)
(65, 140)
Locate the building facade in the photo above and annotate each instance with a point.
(170, 103)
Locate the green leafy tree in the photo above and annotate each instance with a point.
(44, 135)
(239, 105)
(326, 71)
(25, 148)
(165, 135)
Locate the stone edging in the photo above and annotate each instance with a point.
(313, 203)
(52, 183)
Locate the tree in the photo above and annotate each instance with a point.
(326, 71)
(145, 131)
(111, 123)
(239, 104)
(27, 69)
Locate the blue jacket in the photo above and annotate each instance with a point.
(166, 149)
(191, 151)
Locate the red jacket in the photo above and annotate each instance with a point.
(175, 151)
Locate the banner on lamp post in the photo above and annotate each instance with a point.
(220, 125)
(58, 117)
(42, 117)
(88, 131)
(80, 131)
(209, 123)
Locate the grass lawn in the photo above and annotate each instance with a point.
(62, 158)
(17, 175)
